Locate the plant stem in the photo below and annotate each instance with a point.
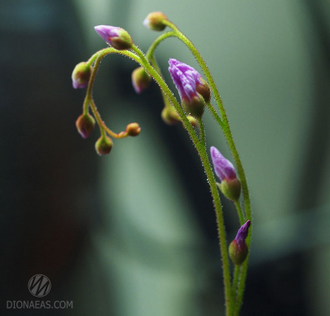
(229, 137)
(235, 285)
(201, 132)
(208, 170)
(225, 127)
(241, 286)
(156, 42)
(239, 212)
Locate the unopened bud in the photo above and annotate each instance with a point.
(115, 36)
(80, 75)
(103, 145)
(238, 250)
(140, 79)
(85, 124)
(169, 115)
(194, 106)
(155, 21)
(133, 129)
(230, 188)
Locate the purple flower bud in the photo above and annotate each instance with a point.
(242, 234)
(114, 36)
(223, 168)
(238, 250)
(185, 78)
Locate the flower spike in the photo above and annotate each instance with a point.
(230, 186)
(115, 36)
(238, 250)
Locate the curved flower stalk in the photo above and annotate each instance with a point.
(195, 96)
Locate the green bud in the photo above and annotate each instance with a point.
(195, 106)
(80, 75)
(155, 21)
(103, 145)
(237, 254)
(140, 79)
(230, 188)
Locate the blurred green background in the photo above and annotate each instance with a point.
(134, 233)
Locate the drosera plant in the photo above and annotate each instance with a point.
(196, 94)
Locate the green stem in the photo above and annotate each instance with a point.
(215, 114)
(89, 98)
(225, 127)
(97, 117)
(97, 57)
(235, 285)
(155, 65)
(202, 137)
(208, 170)
(229, 137)
(241, 286)
(239, 212)
(156, 42)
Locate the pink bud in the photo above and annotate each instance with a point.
(115, 36)
(238, 250)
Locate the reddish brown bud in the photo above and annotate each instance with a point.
(103, 145)
(85, 124)
(133, 129)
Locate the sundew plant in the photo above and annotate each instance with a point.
(196, 93)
